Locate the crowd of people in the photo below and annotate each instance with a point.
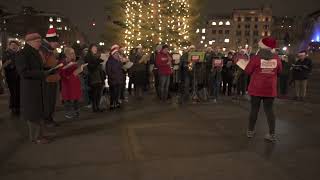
(37, 77)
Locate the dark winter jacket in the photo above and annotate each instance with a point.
(302, 69)
(114, 71)
(96, 75)
(285, 68)
(10, 70)
(30, 68)
(264, 69)
(228, 68)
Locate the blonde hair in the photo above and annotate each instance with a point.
(68, 50)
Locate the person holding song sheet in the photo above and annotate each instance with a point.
(164, 63)
(264, 69)
(70, 84)
(216, 76)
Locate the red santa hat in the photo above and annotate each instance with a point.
(268, 43)
(52, 35)
(115, 48)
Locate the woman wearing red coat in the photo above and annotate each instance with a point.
(264, 69)
(71, 85)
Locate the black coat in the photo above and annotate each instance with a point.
(10, 70)
(96, 75)
(30, 68)
(302, 69)
(114, 72)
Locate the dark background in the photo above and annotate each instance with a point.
(83, 12)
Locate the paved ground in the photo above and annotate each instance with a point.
(149, 141)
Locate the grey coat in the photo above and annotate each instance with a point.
(30, 68)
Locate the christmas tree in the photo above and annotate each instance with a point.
(151, 22)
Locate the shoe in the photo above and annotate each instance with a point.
(250, 134)
(270, 138)
(42, 140)
(89, 106)
(69, 116)
(214, 100)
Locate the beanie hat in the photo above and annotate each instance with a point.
(52, 35)
(268, 43)
(115, 48)
(31, 36)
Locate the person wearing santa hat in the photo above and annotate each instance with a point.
(301, 72)
(49, 55)
(115, 76)
(264, 69)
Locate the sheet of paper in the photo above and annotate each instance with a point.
(242, 63)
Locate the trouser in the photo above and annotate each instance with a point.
(35, 130)
(156, 82)
(227, 85)
(130, 86)
(71, 108)
(14, 88)
(242, 85)
(268, 109)
(96, 93)
(86, 90)
(114, 95)
(164, 83)
(50, 99)
(215, 88)
(284, 85)
(301, 88)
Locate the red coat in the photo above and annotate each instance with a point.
(162, 64)
(264, 74)
(70, 84)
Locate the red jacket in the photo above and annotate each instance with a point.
(264, 74)
(70, 84)
(162, 64)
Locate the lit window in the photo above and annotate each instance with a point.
(50, 19)
(65, 28)
(228, 23)
(201, 42)
(50, 26)
(226, 40)
(210, 42)
(198, 30)
(58, 19)
(214, 23)
(59, 28)
(220, 23)
(205, 45)
(203, 37)
(203, 30)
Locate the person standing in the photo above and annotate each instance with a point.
(301, 72)
(186, 74)
(240, 77)
(163, 63)
(264, 69)
(154, 69)
(12, 76)
(32, 77)
(284, 77)
(216, 77)
(70, 84)
(96, 76)
(115, 76)
(49, 56)
(227, 74)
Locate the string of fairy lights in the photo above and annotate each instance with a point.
(151, 22)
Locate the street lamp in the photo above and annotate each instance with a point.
(285, 48)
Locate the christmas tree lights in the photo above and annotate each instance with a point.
(150, 22)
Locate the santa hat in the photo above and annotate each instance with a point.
(52, 35)
(115, 48)
(268, 43)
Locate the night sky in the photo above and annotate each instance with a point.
(82, 12)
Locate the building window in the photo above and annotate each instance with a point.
(238, 33)
(248, 19)
(50, 26)
(238, 41)
(239, 26)
(201, 42)
(267, 19)
(59, 19)
(256, 33)
(65, 28)
(50, 19)
(239, 19)
(227, 31)
(247, 41)
(247, 26)
(255, 41)
(220, 32)
(256, 19)
(220, 23)
(256, 26)
(226, 40)
(203, 37)
(59, 28)
(198, 30)
(203, 30)
(214, 31)
(214, 23)
(265, 33)
(266, 27)
(228, 23)
(247, 33)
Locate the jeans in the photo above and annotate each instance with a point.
(268, 109)
(114, 95)
(216, 88)
(164, 83)
(71, 108)
(301, 88)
